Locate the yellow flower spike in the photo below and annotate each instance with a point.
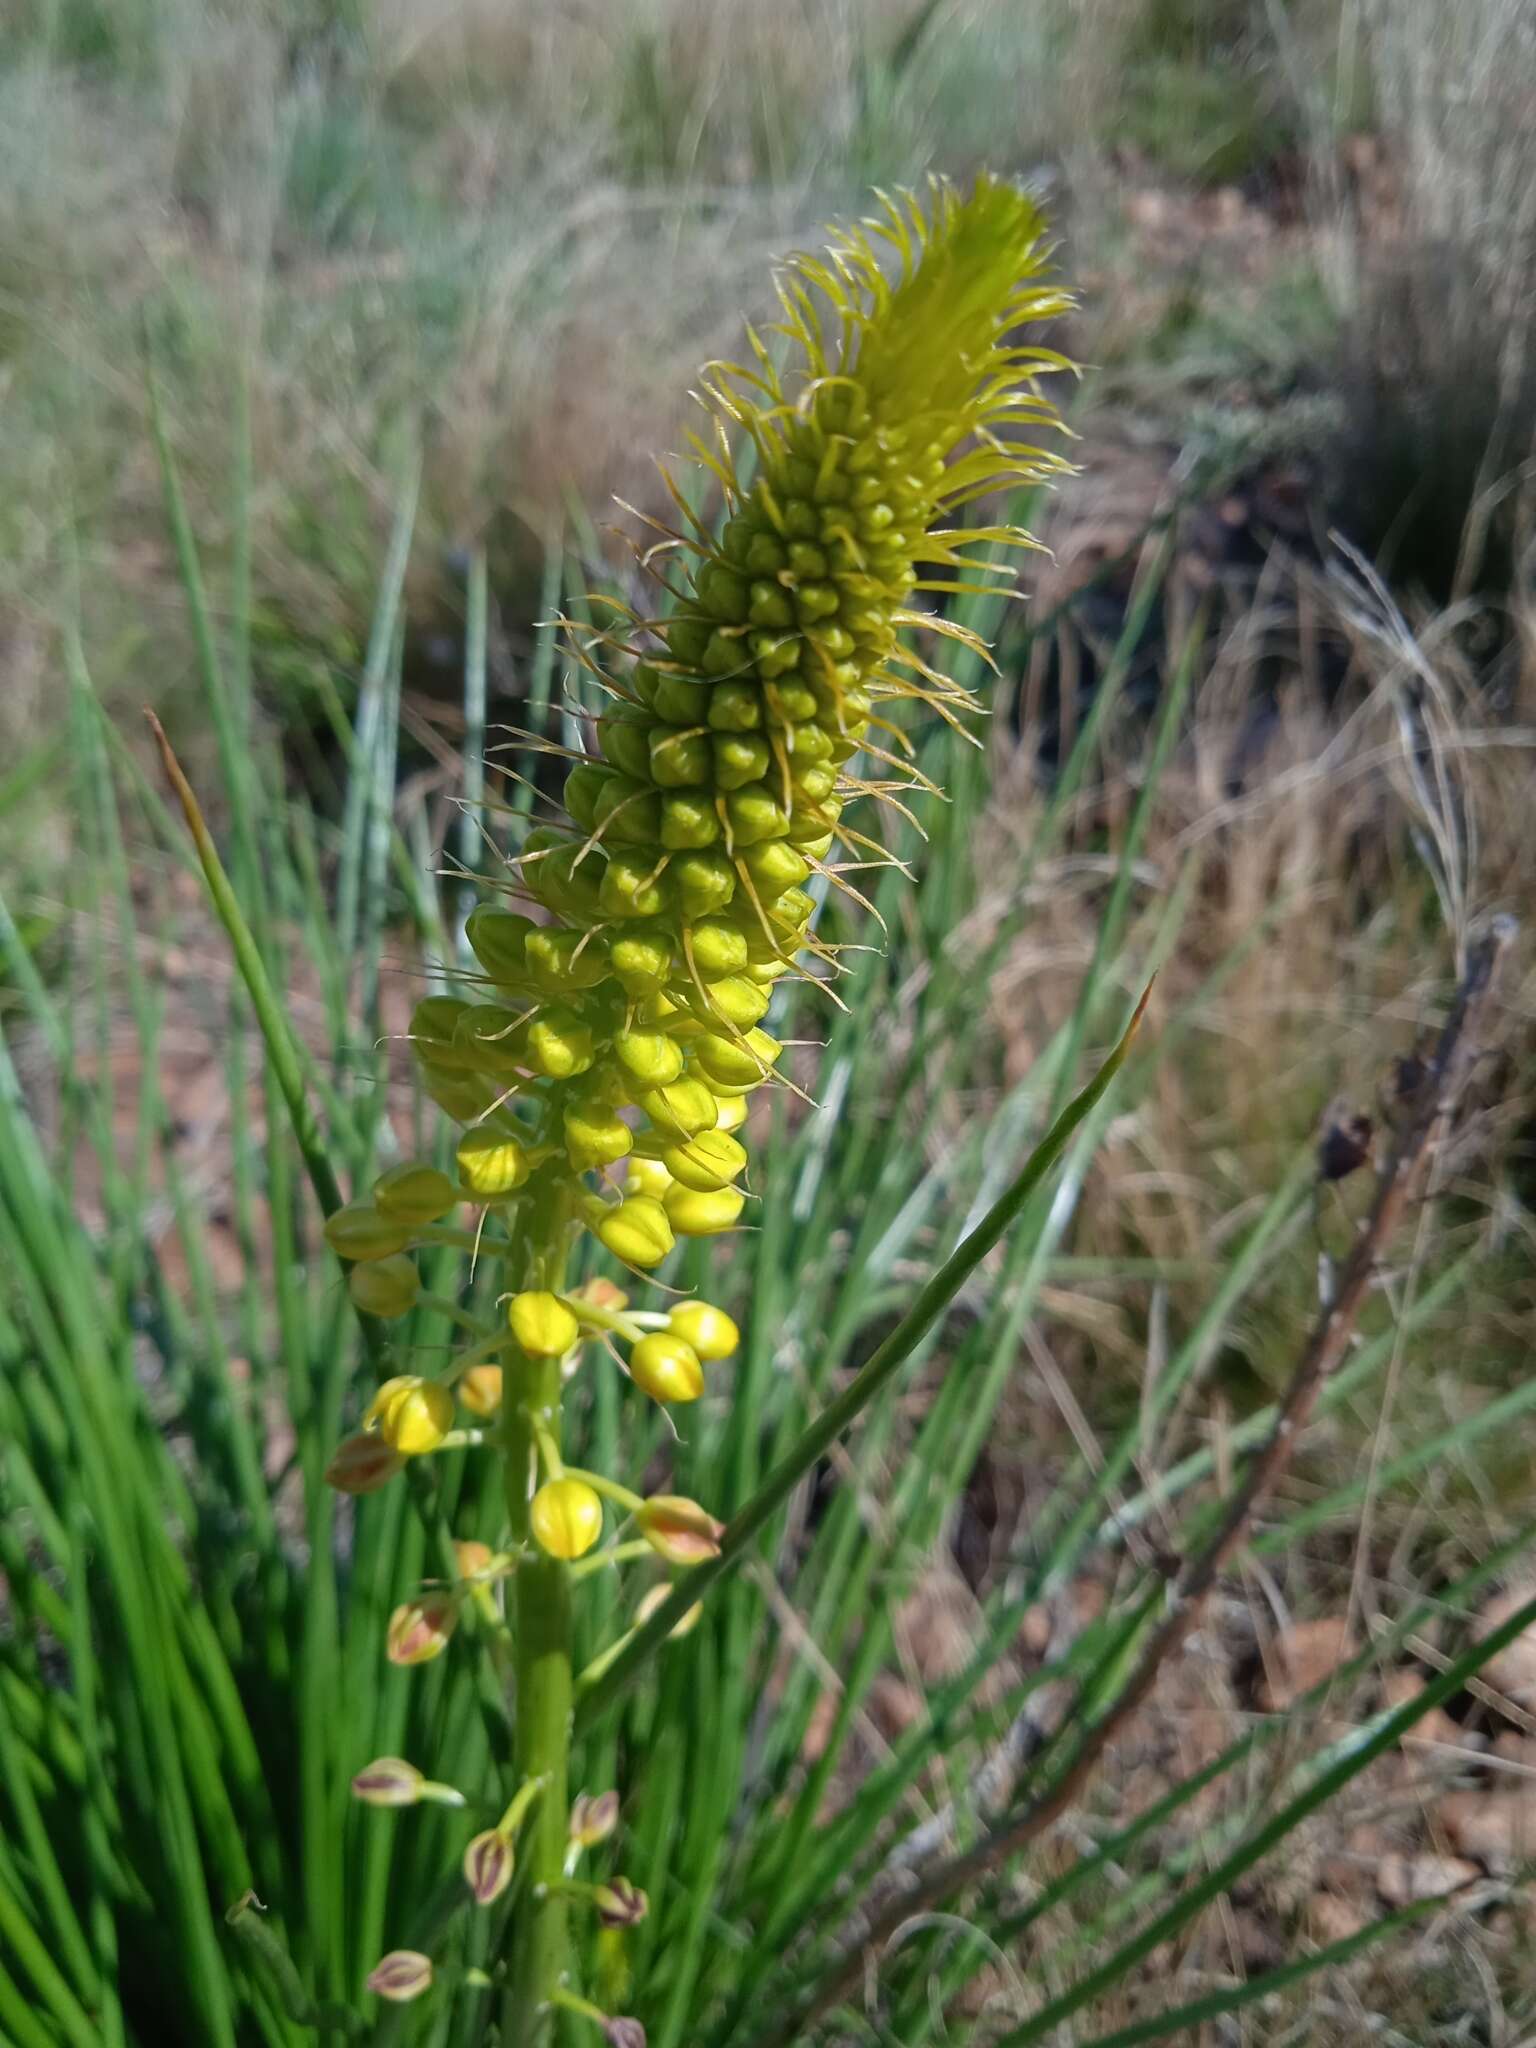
(542, 1324)
(480, 1390)
(679, 1529)
(637, 1231)
(412, 1415)
(359, 1231)
(566, 1517)
(666, 1368)
(706, 1163)
(652, 1599)
(385, 1287)
(708, 1329)
(414, 1193)
(698, 1214)
(491, 1165)
(419, 1629)
(362, 1464)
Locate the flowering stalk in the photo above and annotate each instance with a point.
(603, 1075)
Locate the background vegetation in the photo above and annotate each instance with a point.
(421, 283)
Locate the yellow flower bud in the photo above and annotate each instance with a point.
(647, 1177)
(708, 1329)
(491, 1164)
(385, 1287)
(743, 1062)
(411, 1414)
(359, 1231)
(679, 1529)
(567, 1517)
(637, 1231)
(362, 1464)
(652, 1599)
(650, 1058)
(414, 1193)
(542, 1324)
(419, 1629)
(733, 1113)
(711, 1160)
(666, 1368)
(594, 1135)
(695, 1214)
(480, 1390)
(682, 1109)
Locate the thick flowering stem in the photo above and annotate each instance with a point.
(531, 1397)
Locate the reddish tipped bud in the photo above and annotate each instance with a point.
(682, 1531)
(480, 1390)
(388, 1781)
(488, 1865)
(624, 2033)
(594, 1816)
(362, 1464)
(419, 1629)
(401, 1975)
(620, 1903)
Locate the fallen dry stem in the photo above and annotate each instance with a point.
(1419, 1134)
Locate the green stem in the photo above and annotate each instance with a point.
(542, 1636)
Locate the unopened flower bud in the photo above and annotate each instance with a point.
(385, 1287)
(708, 1329)
(681, 1109)
(414, 1193)
(595, 1135)
(624, 2033)
(652, 1599)
(650, 1058)
(692, 1213)
(620, 1903)
(732, 1113)
(647, 1177)
(637, 1231)
(737, 1062)
(401, 1976)
(362, 1464)
(419, 1629)
(491, 1164)
(488, 1865)
(542, 1323)
(411, 1414)
(679, 1529)
(666, 1368)
(388, 1781)
(470, 1559)
(594, 1816)
(601, 1292)
(708, 1162)
(567, 1517)
(480, 1390)
(359, 1231)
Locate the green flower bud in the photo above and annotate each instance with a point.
(560, 960)
(736, 707)
(650, 1058)
(682, 700)
(359, 1231)
(681, 1108)
(434, 1027)
(666, 1368)
(642, 960)
(491, 1164)
(705, 882)
(711, 1160)
(689, 820)
(385, 1287)
(542, 1324)
(718, 948)
(583, 786)
(693, 1213)
(679, 759)
(414, 1193)
(559, 1045)
(594, 1135)
(625, 741)
(496, 939)
(742, 1062)
(637, 1231)
(740, 759)
(628, 813)
(738, 1001)
(774, 867)
(631, 886)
